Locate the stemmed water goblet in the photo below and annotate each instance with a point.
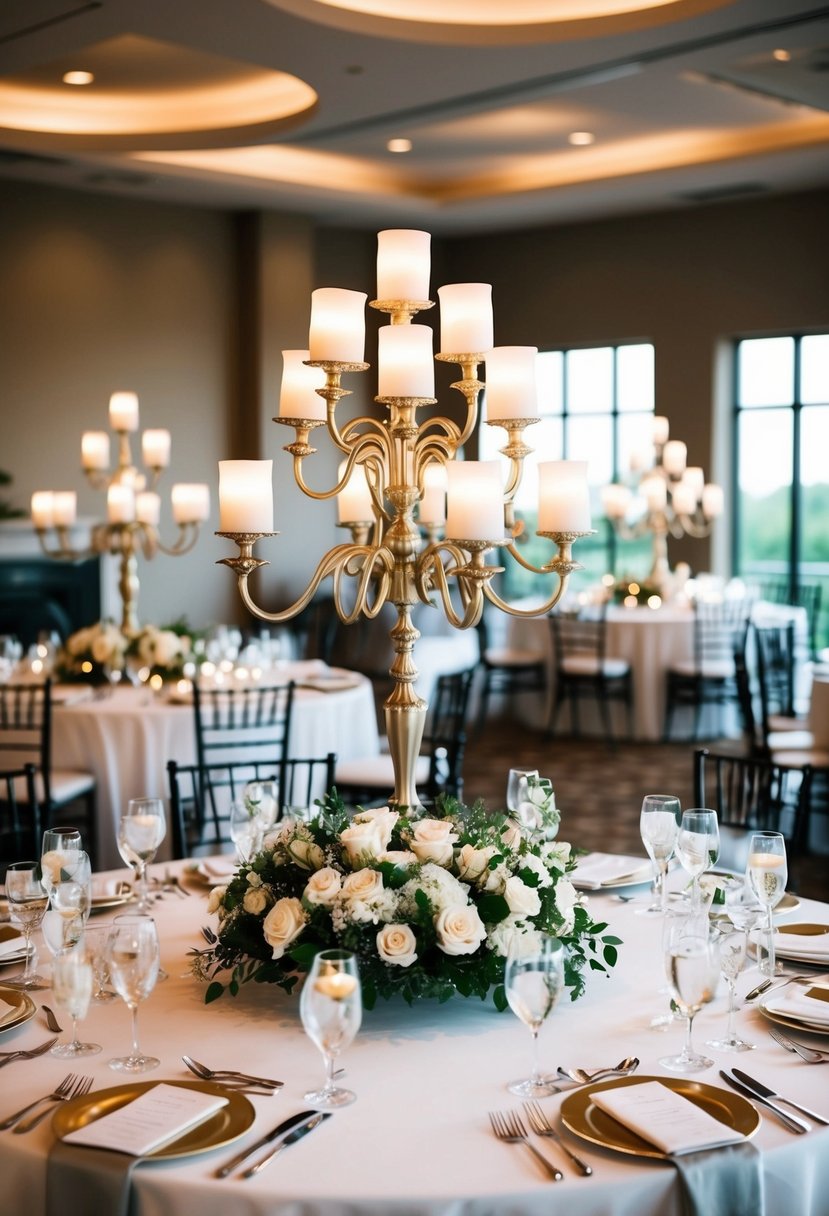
(533, 980)
(72, 990)
(132, 956)
(27, 906)
(331, 1010)
(262, 799)
(95, 941)
(692, 964)
(518, 801)
(659, 827)
(732, 957)
(697, 847)
(245, 829)
(140, 831)
(71, 897)
(742, 907)
(767, 871)
(58, 851)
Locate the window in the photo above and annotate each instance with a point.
(596, 404)
(782, 474)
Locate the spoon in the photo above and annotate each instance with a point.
(586, 1077)
(213, 1074)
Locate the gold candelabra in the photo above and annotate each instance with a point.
(667, 498)
(388, 559)
(133, 506)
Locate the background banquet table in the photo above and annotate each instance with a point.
(126, 739)
(417, 1140)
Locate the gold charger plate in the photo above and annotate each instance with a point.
(26, 1007)
(583, 1118)
(222, 1128)
(100, 902)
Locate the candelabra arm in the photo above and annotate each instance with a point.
(627, 531)
(98, 479)
(63, 550)
(692, 526)
(188, 534)
(431, 575)
(514, 553)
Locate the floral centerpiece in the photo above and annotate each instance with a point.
(429, 903)
(92, 653)
(162, 651)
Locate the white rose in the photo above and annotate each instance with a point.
(255, 901)
(556, 854)
(383, 820)
(323, 887)
(396, 944)
(214, 899)
(495, 880)
(514, 934)
(522, 900)
(530, 862)
(459, 930)
(432, 840)
(511, 834)
(566, 895)
(399, 857)
(283, 924)
(253, 879)
(305, 854)
(473, 863)
(166, 647)
(363, 884)
(362, 841)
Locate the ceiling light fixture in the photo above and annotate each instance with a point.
(781, 56)
(399, 145)
(77, 77)
(580, 139)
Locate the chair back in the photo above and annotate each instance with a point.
(776, 663)
(752, 725)
(720, 630)
(580, 639)
(26, 730)
(242, 722)
(20, 825)
(446, 733)
(805, 595)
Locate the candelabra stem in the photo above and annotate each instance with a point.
(660, 571)
(405, 712)
(128, 586)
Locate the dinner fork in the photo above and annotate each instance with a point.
(542, 1126)
(81, 1086)
(507, 1126)
(6, 1057)
(57, 1095)
(810, 1054)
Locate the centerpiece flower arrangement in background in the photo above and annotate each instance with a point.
(92, 654)
(429, 903)
(162, 651)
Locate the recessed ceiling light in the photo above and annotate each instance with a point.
(77, 78)
(781, 56)
(399, 145)
(580, 139)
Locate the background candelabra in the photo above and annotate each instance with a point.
(133, 506)
(667, 497)
(394, 464)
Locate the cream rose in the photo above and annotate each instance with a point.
(52, 863)
(214, 899)
(522, 900)
(362, 841)
(472, 863)
(459, 930)
(305, 854)
(283, 924)
(511, 834)
(382, 819)
(432, 840)
(399, 857)
(323, 887)
(397, 944)
(255, 901)
(363, 884)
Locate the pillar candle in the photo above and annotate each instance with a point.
(155, 449)
(661, 430)
(403, 264)
(43, 508)
(433, 499)
(695, 478)
(245, 496)
(298, 397)
(474, 500)
(95, 450)
(123, 412)
(511, 388)
(615, 501)
(684, 499)
(338, 325)
(655, 492)
(466, 323)
(354, 501)
(674, 455)
(148, 508)
(563, 496)
(191, 502)
(713, 500)
(404, 361)
(65, 508)
(120, 504)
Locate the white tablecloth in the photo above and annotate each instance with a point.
(417, 1140)
(127, 739)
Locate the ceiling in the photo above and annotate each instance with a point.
(290, 104)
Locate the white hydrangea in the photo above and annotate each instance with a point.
(512, 931)
(442, 888)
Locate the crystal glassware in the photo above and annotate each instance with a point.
(72, 991)
(767, 871)
(659, 821)
(71, 896)
(742, 907)
(697, 848)
(262, 798)
(132, 956)
(60, 846)
(732, 947)
(141, 829)
(245, 830)
(95, 940)
(331, 1010)
(692, 963)
(533, 980)
(518, 802)
(27, 906)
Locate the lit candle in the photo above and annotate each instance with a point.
(511, 387)
(123, 412)
(403, 264)
(695, 478)
(148, 508)
(338, 325)
(674, 455)
(120, 504)
(615, 500)
(354, 502)
(65, 508)
(155, 449)
(466, 324)
(191, 502)
(433, 500)
(298, 397)
(563, 496)
(337, 985)
(655, 492)
(713, 500)
(245, 496)
(43, 508)
(474, 500)
(95, 450)
(661, 430)
(684, 499)
(404, 361)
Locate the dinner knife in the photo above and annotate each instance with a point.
(268, 1138)
(765, 1092)
(301, 1131)
(791, 1121)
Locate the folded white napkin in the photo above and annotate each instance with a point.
(606, 869)
(7, 1012)
(107, 888)
(156, 1117)
(802, 945)
(810, 1003)
(664, 1118)
(13, 944)
(219, 867)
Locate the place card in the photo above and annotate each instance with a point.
(153, 1119)
(664, 1118)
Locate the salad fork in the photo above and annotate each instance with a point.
(810, 1054)
(507, 1126)
(81, 1086)
(542, 1126)
(6, 1057)
(60, 1092)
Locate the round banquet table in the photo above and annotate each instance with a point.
(417, 1140)
(126, 739)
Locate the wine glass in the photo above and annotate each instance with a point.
(768, 873)
(59, 847)
(141, 830)
(27, 906)
(71, 896)
(245, 831)
(697, 847)
(659, 826)
(132, 956)
(262, 799)
(72, 991)
(692, 964)
(732, 958)
(742, 907)
(331, 1010)
(518, 802)
(95, 940)
(533, 980)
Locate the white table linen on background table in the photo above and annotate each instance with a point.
(126, 740)
(417, 1141)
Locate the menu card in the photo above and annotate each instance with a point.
(606, 869)
(664, 1118)
(156, 1117)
